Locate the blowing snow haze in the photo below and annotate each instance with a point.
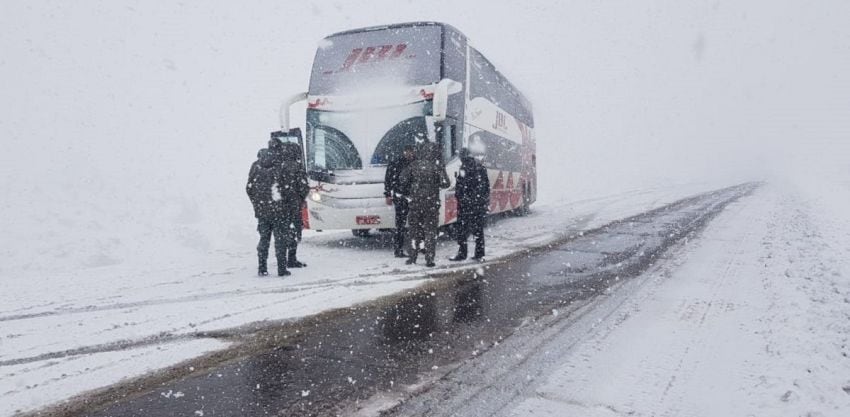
(128, 127)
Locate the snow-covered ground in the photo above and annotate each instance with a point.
(752, 318)
(66, 333)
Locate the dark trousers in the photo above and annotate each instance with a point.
(471, 224)
(423, 223)
(268, 226)
(292, 246)
(402, 208)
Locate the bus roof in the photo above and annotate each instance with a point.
(447, 28)
(396, 26)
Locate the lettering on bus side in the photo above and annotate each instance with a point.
(501, 122)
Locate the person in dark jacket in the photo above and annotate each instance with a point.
(424, 178)
(293, 155)
(397, 196)
(263, 190)
(472, 190)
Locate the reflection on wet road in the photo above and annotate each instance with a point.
(327, 367)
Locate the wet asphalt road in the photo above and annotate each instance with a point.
(327, 367)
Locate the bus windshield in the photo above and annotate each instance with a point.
(357, 139)
(352, 63)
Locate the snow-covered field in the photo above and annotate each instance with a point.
(66, 333)
(752, 318)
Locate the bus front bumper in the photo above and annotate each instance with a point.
(341, 214)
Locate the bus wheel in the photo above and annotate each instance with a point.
(360, 232)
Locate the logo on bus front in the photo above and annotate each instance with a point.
(372, 54)
(368, 220)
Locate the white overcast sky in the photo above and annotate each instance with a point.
(130, 106)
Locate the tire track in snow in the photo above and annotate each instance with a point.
(485, 386)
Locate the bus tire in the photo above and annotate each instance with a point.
(360, 232)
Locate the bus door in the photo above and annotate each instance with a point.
(448, 137)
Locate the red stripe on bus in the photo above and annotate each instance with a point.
(305, 216)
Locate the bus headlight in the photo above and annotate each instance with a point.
(315, 197)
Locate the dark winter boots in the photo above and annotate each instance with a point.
(428, 261)
(429, 258)
(263, 269)
(479, 252)
(414, 253)
(291, 259)
(461, 253)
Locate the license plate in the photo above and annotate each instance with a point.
(368, 220)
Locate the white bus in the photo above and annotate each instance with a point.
(375, 90)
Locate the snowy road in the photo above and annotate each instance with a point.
(64, 334)
(334, 365)
(751, 318)
(748, 318)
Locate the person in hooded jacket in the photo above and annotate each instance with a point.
(423, 179)
(275, 150)
(472, 190)
(263, 190)
(294, 156)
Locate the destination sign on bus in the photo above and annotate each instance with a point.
(351, 62)
(372, 54)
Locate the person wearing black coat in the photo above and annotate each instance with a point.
(424, 178)
(263, 191)
(472, 190)
(396, 195)
(276, 190)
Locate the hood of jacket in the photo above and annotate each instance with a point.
(266, 158)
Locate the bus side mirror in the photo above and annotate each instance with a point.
(442, 90)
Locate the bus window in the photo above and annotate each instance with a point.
(332, 150)
(394, 141)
